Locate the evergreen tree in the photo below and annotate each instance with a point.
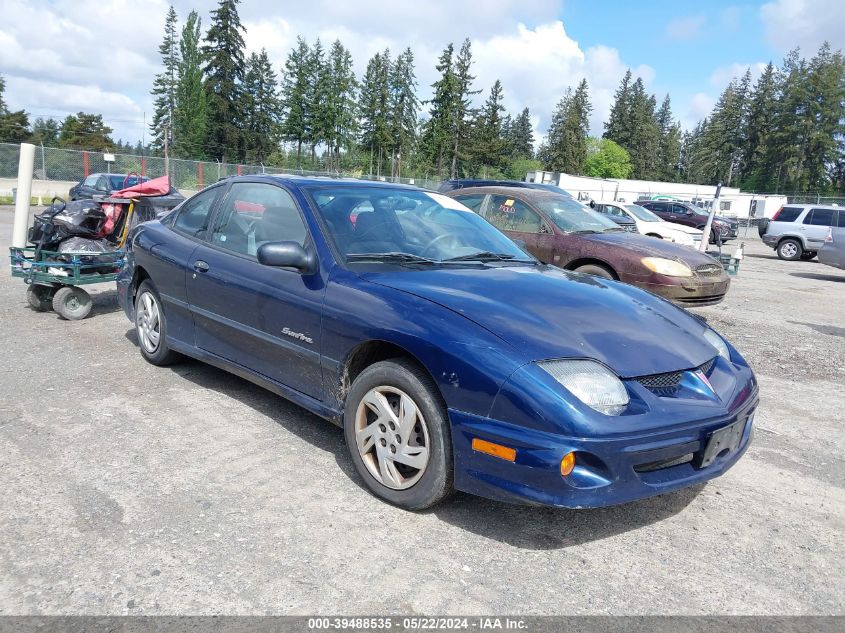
(618, 125)
(261, 107)
(643, 135)
(295, 97)
(490, 145)
(14, 126)
(758, 129)
(165, 85)
(224, 72)
(317, 97)
(566, 145)
(403, 107)
(85, 131)
(45, 132)
(825, 119)
(190, 117)
(669, 148)
(3, 107)
(437, 131)
(462, 113)
(340, 103)
(375, 116)
(521, 136)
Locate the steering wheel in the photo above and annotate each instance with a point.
(437, 240)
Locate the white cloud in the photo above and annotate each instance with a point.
(699, 107)
(688, 27)
(804, 23)
(722, 76)
(730, 17)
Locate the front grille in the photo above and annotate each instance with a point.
(630, 228)
(665, 385)
(665, 463)
(709, 269)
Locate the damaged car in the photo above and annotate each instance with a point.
(451, 358)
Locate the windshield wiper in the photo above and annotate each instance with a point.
(585, 232)
(399, 258)
(481, 256)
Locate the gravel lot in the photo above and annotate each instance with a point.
(128, 489)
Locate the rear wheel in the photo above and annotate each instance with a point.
(72, 303)
(398, 435)
(597, 270)
(151, 327)
(790, 250)
(40, 298)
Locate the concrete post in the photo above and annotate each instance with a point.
(25, 167)
(705, 238)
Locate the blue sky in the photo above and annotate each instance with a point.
(57, 60)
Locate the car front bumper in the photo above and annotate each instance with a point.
(684, 291)
(607, 471)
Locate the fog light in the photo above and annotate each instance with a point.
(496, 450)
(567, 464)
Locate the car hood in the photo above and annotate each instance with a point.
(682, 228)
(543, 312)
(645, 246)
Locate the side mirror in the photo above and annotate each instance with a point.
(287, 255)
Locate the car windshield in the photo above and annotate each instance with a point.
(641, 213)
(383, 224)
(574, 217)
(116, 181)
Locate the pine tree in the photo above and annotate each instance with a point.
(340, 107)
(316, 98)
(669, 148)
(262, 108)
(375, 122)
(758, 128)
(295, 97)
(462, 114)
(618, 125)
(224, 72)
(45, 132)
(437, 131)
(165, 85)
(566, 145)
(643, 135)
(85, 131)
(521, 136)
(489, 145)
(190, 117)
(403, 107)
(3, 107)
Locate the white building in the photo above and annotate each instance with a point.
(732, 201)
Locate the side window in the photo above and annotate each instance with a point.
(509, 214)
(724, 205)
(254, 214)
(789, 214)
(194, 215)
(616, 211)
(474, 201)
(91, 181)
(820, 217)
(841, 222)
(102, 184)
(679, 209)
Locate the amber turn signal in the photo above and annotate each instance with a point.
(496, 450)
(567, 464)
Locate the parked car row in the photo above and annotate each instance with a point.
(452, 358)
(103, 185)
(691, 215)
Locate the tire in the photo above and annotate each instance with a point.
(763, 226)
(392, 385)
(808, 255)
(40, 298)
(151, 327)
(790, 250)
(596, 270)
(72, 303)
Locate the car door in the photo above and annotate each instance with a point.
(264, 318)
(683, 215)
(520, 222)
(168, 263)
(815, 226)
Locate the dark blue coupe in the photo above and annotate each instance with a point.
(450, 357)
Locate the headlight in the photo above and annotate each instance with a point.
(716, 341)
(591, 382)
(668, 267)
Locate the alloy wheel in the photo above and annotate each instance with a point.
(148, 322)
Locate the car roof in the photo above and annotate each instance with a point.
(525, 192)
(321, 181)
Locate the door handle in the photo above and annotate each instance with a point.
(201, 266)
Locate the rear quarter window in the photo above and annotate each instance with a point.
(789, 214)
(820, 217)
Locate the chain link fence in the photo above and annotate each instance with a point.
(52, 163)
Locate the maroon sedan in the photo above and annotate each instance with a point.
(561, 231)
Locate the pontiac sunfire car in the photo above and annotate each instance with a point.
(450, 357)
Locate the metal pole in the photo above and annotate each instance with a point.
(705, 238)
(43, 162)
(24, 194)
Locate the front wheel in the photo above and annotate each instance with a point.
(72, 303)
(397, 433)
(151, 327)
(596, 270)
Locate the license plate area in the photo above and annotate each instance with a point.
(721, 442)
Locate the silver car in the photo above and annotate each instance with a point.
(797, 231)
(832, 251)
